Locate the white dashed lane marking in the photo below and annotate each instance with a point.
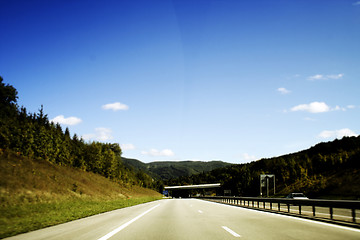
(231, 232)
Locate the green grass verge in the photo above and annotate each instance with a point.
(29, 217)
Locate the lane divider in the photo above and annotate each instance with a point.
(231, 232)
(115, 231)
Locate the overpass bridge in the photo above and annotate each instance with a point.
(191, 190)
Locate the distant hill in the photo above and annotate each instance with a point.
(173, 169)
(326, 170)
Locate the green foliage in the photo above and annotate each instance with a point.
(33, 135)
(316, 172)
(8, 99)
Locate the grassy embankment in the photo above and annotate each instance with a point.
(35, 194)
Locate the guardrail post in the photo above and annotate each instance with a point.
(253, 203)
(279, 209)
(288, 205)
(258, 204)
(331, 213)
(300, 209)
(270, 205)
(353, 214)
(264, 204)
(313, 208)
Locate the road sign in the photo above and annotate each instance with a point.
(264, 182)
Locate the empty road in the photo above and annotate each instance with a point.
(191, 219)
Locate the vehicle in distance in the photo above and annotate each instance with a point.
(296, 196)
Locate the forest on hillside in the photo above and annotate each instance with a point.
(329, 169)
(34, 136)
(166, 170)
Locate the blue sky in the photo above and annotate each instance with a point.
(231, 80)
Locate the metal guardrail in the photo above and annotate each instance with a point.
(268, 204)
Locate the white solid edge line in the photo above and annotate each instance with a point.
(115, 231)
(231, 231)
(294, 218)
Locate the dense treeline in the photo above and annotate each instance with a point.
(323, 170)
(33, 135)
(166, 170)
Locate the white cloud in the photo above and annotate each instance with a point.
(314, 107)
(356, 3)
(66, 121)
(325, 77)
(351, 106)
(116, 106)
(101, 134)
(316, 77)
(156, 153)
(127, 146)
(337, 133)
(283, 90)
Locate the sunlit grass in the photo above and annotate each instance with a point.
(23, 218)
(35, 194)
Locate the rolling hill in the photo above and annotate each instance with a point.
(173, 169)
(326, 170)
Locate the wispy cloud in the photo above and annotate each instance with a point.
(345, 132)
(157, 153)
(283, 90)
(337, 76)
(248, 158)
(325, 77)
(66, 121)
(127, 146)
(310, 119)
(101, 134)
(356, 3)
(116, 106)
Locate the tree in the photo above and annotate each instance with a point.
(8, 99)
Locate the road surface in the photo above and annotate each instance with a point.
(191, 219)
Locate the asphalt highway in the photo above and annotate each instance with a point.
(191, 219)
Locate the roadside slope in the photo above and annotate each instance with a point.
(35, 193)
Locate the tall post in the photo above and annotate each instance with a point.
(267, 186)
(274, 184)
